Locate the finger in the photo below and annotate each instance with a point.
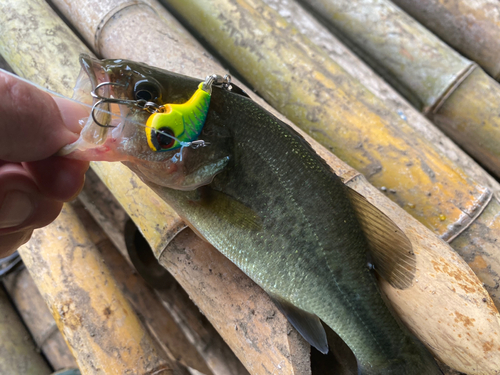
(32, 125)
(22, 206)
(58, 178)
(12, 241)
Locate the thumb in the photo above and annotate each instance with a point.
(34, 126)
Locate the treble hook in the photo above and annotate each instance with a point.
(150, 107)
(103, 99)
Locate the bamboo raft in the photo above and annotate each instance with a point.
(113, 323)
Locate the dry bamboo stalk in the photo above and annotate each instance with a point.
(423, 69)
(100, 327)
(143, 300)
(307, 25)
(114, 28)
(38, 319)
(310, 89)
(143, 206)
(105, 209)
(469, 115)
(18, 354)
(471, 27)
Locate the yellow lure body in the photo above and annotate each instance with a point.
(178, 123)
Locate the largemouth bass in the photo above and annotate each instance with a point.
(255, 189)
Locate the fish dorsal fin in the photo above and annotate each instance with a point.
(229, 209)
(391, 250)
(307, 324)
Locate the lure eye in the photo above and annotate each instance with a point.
(146, 90)
(163, 140)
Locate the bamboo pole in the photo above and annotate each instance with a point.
(471, 27)
(101, 329)
(148, 212)
(297, 16)
(114, 29)
(38, 319)
(145, 303)
(18, 354)
(424, 69)
(421, 237)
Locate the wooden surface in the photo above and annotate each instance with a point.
(118, 26)
(102, 205)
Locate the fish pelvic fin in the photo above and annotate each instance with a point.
(307, 324)
(391, 251)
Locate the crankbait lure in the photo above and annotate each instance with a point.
(174, 125)
(171, 126)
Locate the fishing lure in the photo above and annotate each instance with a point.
(170, 126)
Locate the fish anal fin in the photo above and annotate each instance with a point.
(307, 324)
(390, 249)
(227, 208)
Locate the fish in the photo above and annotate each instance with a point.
(250, 185)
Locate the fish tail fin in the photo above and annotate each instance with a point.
(413, 359)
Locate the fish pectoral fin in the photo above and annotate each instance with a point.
(227, 208)
(391, 251)
(307, 324)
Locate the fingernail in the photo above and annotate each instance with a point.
(16, 208)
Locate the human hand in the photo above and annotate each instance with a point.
(34, 183)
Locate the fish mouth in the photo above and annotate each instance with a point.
(96, 142)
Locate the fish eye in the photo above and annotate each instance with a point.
(146, 90)
(164, 141)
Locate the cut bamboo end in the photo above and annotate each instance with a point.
(471, 27)
(18, 354)
(100, 327)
